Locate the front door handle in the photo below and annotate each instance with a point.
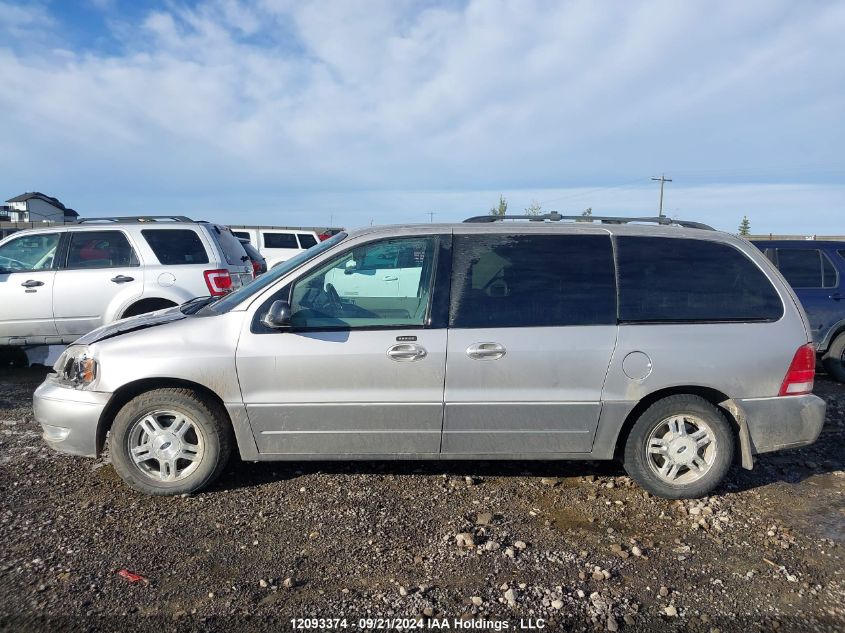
(122, 279)
(391, 278)
(404, 352)
(835, 296)
(486, 351)
(32, 283)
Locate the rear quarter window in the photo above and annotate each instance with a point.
(173, 247)
(232, 248)
(684, 280)
(306, 240)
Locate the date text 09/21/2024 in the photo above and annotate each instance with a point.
(405, 624)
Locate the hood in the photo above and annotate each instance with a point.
(132, 324)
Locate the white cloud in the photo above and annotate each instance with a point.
(296, 99)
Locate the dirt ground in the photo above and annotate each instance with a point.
(557, 546)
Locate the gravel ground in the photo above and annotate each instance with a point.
(576, 545)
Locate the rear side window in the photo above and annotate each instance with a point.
(280, 240)
(306, 241)
(806, 268)
(532, 280)
(680, 280)
(176, 246)
(232, 249)
(99, 249)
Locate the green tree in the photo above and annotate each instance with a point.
(533, 208)
(586, 213)
(745, 226)
(502, 208)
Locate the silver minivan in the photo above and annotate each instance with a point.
(671, 347)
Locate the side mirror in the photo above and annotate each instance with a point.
(278, 316)
(350, 267)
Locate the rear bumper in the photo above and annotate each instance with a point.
(69, 417)
(784, 422)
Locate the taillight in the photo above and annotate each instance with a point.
(219, 282)
(256, 269)
(802, 371)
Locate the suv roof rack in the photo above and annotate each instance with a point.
(554, 216)
(137, 219)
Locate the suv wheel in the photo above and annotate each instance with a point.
(681, 447)
(834, 358)
(170, 442)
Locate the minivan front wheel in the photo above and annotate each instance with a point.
(681, 447)
(170, 441)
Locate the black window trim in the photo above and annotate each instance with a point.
(506, 327)
(206, 242)
(441, 255)
(65, 251)
(700, 321)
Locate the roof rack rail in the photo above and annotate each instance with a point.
(554, 216)
(129, 219)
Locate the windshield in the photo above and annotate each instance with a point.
(231, 300)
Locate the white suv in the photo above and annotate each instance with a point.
(277, 244)
(60, 282)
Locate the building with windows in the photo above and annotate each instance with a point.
(35, 206)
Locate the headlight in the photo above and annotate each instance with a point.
(76, 368)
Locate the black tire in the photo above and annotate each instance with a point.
(832, 360)
(209, 418)
(637, 456)
(14, 357)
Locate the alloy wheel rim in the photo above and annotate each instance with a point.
(681, 449)
(166, 446)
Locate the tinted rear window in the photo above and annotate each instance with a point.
(532, 280)
(806, 268)
(231, 246)
(306, 241)
(243, 235)
(680, 280)
(280, 240)
(176, 246)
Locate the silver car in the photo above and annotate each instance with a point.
(676, 349)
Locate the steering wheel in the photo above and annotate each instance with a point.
(334, 298)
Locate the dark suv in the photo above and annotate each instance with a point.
(815, 270)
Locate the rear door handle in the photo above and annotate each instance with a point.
(32, 283)
(122, 279)
(486, 351)
(404, 352)
(390, 278)
(835, 296)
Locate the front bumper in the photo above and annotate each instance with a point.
(783, 422)
(69, 417)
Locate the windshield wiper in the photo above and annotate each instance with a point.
(195, 304)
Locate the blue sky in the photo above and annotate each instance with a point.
(299, 112)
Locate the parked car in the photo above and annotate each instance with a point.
(277, 244)
(816, 271)
(259, 263)
(59, 282)
(672, 348)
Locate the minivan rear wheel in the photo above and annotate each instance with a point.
(681, 447)
(170, 441)
(834, 358)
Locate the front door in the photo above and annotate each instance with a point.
(531, 333)
(358, 372)
(100, 274)
(26, 287)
